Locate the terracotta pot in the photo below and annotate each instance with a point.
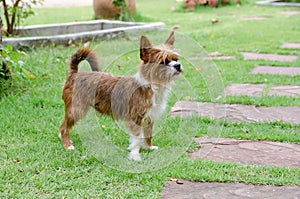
(106, 9)
(213, 3)
(225, 1)
(202, 2)
(190, 4)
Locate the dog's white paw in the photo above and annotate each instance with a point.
(59, 136)
(153, 147)
(135, 157)
(71, 147)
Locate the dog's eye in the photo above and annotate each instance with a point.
(165, 62)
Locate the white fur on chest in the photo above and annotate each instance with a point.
(159, 99)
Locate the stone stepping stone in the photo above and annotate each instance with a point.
(219, 57)
(290, 12)
(269, 57)
(237, 112)
(292, 91)
(257, 90)
(250, 18)
(195, 190)
(276, 70)
(250, 152)
(290, 45)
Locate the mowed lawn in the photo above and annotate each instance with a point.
(34, 163)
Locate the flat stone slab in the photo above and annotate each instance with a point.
(237, 112)
(290, 12)
(251, 18)
(250, 152)
(257, 90)
(276, 70)
(289, 90)
(290, 45)
(269, 57)
(219, 57)
(199, 190)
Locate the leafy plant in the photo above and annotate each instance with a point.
(15, 11)
(12, 59)
(15, 65)
(124, 14)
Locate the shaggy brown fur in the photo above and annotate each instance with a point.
(138, 99)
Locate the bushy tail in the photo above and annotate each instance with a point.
(84, 54)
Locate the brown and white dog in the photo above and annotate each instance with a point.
(138, 100)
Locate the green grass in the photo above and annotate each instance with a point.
(34, 164)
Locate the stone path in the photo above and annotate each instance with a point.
(290, 12)
(198, 190)
(219, 57)
(237, 112)
(257, 90)
(269, 57)
(245, 89)
(281, 90)
(276, 70)
(290, 45)
(251, 18)
(248, 152)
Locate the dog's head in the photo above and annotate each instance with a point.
(159, 63)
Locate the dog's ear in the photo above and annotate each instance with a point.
(171, 39)
(145, 48)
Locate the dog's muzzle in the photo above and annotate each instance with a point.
(176, 65)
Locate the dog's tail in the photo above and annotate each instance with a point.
(84, 54)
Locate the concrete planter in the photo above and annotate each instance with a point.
(33, 36)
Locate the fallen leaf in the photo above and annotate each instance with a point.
(17, 161)
(214, 21)
(199, 69)
(187, 98)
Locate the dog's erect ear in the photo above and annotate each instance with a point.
(145, 48)
(171, 39)
(145, 42)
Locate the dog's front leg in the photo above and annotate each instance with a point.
(147, 129)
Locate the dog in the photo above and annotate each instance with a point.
(137, 100)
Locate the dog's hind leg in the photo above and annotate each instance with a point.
(64, 130)
(72, 115)
(135, 140)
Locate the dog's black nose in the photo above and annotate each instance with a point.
(177, 66)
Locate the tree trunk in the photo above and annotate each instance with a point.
(5, 72)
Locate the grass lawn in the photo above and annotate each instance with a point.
(33, 163)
